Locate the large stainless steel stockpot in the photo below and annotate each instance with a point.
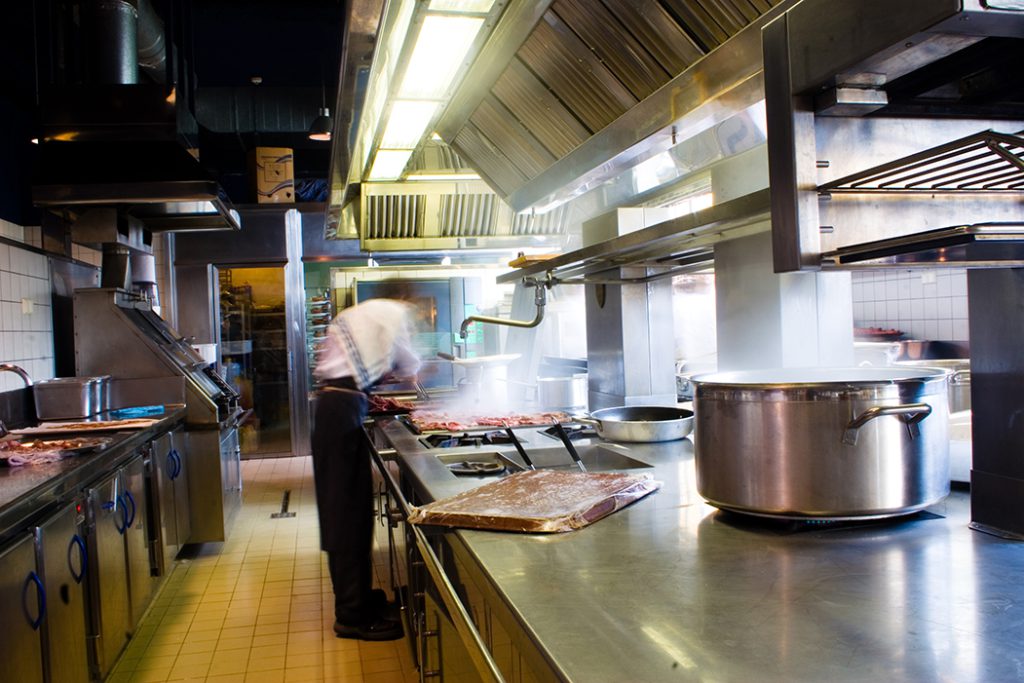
(822, 443)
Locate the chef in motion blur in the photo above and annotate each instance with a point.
(365, 344)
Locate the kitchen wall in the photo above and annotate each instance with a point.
(26, 322)
(923, 304)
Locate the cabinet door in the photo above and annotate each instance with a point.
(163, 468)
(22, 613)
(182, 502)
(108, 571)
(64, 568)
(140, 585)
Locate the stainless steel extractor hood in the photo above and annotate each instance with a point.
(534, 114)
(156, 182)
(118, 131)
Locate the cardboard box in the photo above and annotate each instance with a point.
(273, 175)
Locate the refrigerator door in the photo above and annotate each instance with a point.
(108, 575)
(22, 613)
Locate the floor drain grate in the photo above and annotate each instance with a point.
(284, 507)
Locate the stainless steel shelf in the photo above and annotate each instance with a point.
(680, 245)
(984, 162)
(988, 245)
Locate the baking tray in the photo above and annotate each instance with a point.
(538, 501)
(77, 427)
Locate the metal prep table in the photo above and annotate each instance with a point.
(670, 589)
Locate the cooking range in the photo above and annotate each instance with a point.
(499, 437)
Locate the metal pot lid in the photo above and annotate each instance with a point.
(784, 377)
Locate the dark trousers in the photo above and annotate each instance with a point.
(344, 496)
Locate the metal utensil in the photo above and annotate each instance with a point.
(560, 431)
(519, 447)
(421, 392)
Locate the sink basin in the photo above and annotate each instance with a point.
(596, 458)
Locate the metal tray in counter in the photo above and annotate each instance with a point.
(86, 426)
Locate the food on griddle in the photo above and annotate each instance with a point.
(440, 421)
(384, 404)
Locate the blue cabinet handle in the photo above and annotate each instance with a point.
(40, 600)
(83, 558)
(115, 505)
(131, 499)
(177, 463)
(170, 464)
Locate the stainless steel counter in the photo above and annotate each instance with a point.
(25, 491)
(671, 589)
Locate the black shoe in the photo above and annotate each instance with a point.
(381, 629)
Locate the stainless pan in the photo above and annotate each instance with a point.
(640, 424)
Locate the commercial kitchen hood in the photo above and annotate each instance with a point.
(158, 183)
(566, 97)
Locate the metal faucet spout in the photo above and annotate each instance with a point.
(20, 372)
(539, 300)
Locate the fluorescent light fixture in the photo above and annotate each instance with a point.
(389, 164)
(441, 47)
(406, 123)
(478, 6)
(443, 176)
(34, 141)
(446, 260)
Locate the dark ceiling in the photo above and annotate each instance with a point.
(292, 46)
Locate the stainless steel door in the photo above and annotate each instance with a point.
(108, 571)
(182, 501)
(140, 584)
(64, 567)
(164, 465)
(22, 611)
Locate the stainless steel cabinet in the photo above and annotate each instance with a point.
(22, 612)
(165, 533)
(63, 565)
(107, 522)
(180, 481)
(136, 537)
(214, 482)
(172, 503)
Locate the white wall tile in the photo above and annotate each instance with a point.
(961, 330)
(959, 283)
(904, 309)
(930, 308)
(944, 309)
(931, 329)
(960, 307)
(945, 330)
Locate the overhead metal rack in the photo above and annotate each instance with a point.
(984, 162)
(989, 245)
(676, 246)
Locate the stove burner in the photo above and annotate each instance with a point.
(467, 439)
(574, 431)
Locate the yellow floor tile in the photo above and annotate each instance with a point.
(275, 676)
(229, 662)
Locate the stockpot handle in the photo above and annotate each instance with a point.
(959, 377)
(910, 413)
(584, 419)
